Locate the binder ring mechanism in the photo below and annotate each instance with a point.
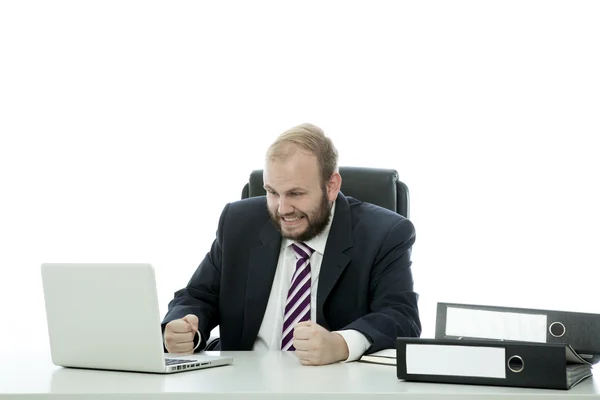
(515, 364)
(557, 329)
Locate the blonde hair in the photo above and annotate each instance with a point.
(310, 138)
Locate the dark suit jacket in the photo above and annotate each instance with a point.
(365, 282)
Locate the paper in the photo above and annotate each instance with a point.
(387, 356)
(389, 353)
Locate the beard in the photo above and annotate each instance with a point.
(317, 221)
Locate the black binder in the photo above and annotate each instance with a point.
(579, 330)
(485, 362)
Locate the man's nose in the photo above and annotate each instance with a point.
(285, 206)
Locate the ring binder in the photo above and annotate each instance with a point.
(579, 330)
(498, 363)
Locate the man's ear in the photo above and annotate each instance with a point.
(333, 186)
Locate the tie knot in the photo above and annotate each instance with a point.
(302, 250)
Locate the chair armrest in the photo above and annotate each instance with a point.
(213, 343)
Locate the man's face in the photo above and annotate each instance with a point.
(299, 204)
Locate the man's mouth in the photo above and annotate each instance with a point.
(291, 220)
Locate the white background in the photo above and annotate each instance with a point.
(126, 126)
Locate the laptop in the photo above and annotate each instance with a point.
(106, 316)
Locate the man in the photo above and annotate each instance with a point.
(305, 269)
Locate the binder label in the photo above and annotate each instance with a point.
(495, 325)
(434, 359)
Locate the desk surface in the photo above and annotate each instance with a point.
(252, 376)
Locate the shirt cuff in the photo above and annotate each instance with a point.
(357, 343)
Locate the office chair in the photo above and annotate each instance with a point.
(372, 185)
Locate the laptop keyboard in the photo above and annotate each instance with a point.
(175, 361)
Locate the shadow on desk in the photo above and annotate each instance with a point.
(75, 380)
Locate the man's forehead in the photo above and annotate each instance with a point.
(287, 181)
(288, 176)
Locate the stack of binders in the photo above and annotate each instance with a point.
(503, 346)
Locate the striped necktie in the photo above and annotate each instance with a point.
(297, 306)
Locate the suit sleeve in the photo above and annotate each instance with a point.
(393, 303)
(201, 295)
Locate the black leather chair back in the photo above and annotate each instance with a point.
(372, 185)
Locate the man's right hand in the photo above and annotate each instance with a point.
(180, 333)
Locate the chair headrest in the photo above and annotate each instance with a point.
(372, 185)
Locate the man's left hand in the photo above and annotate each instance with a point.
(315, 345)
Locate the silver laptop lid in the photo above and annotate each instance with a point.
(103, 316)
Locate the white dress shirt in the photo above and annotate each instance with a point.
(270, 332)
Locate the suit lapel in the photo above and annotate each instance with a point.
(261, 272)
(334, 260)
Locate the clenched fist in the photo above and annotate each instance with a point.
(180, 333)
(315, 345)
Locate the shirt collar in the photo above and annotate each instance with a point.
(318, 242)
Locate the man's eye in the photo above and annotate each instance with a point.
(295, 194)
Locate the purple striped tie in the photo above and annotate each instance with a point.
(297, 307)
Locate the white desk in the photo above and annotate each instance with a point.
(272, 375)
